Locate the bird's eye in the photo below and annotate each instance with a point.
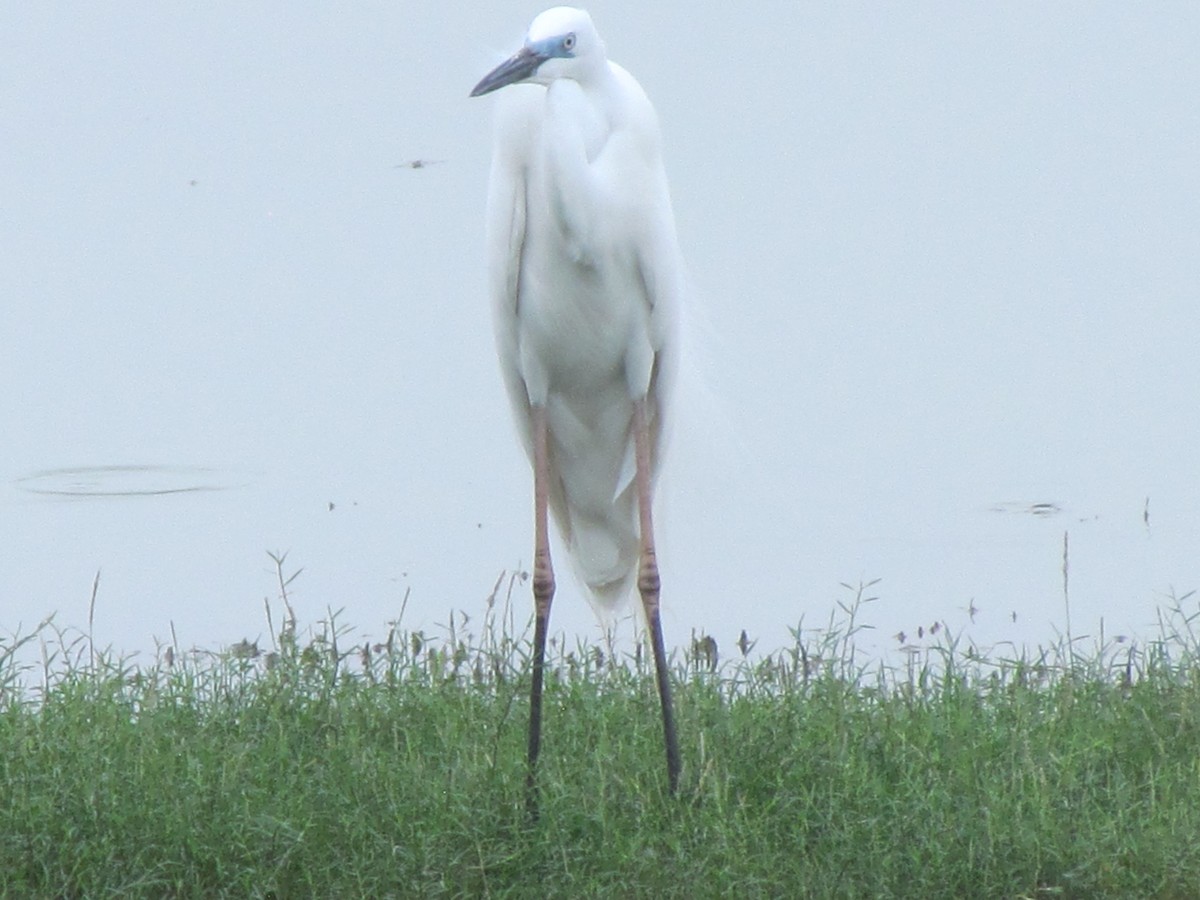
(569, 41)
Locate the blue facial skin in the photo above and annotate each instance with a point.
(526, 62)
(553, 47)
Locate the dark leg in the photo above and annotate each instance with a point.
(543, 596)
(649, 586)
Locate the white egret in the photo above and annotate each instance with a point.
(585, 278)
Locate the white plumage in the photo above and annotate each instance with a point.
(585, 280)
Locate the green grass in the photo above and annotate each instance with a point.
(319, 769)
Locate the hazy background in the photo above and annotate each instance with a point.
(944, 267)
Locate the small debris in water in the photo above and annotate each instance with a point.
(1041, 510)
(418, 163)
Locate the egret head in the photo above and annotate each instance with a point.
(561, 43)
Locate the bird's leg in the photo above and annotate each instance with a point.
(543, 596)
(649, 586)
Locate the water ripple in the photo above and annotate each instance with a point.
(90, 482)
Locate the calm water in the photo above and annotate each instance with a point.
(944, 312)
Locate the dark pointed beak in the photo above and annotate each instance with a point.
(516, 68)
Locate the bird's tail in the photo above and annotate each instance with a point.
(604, 551)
